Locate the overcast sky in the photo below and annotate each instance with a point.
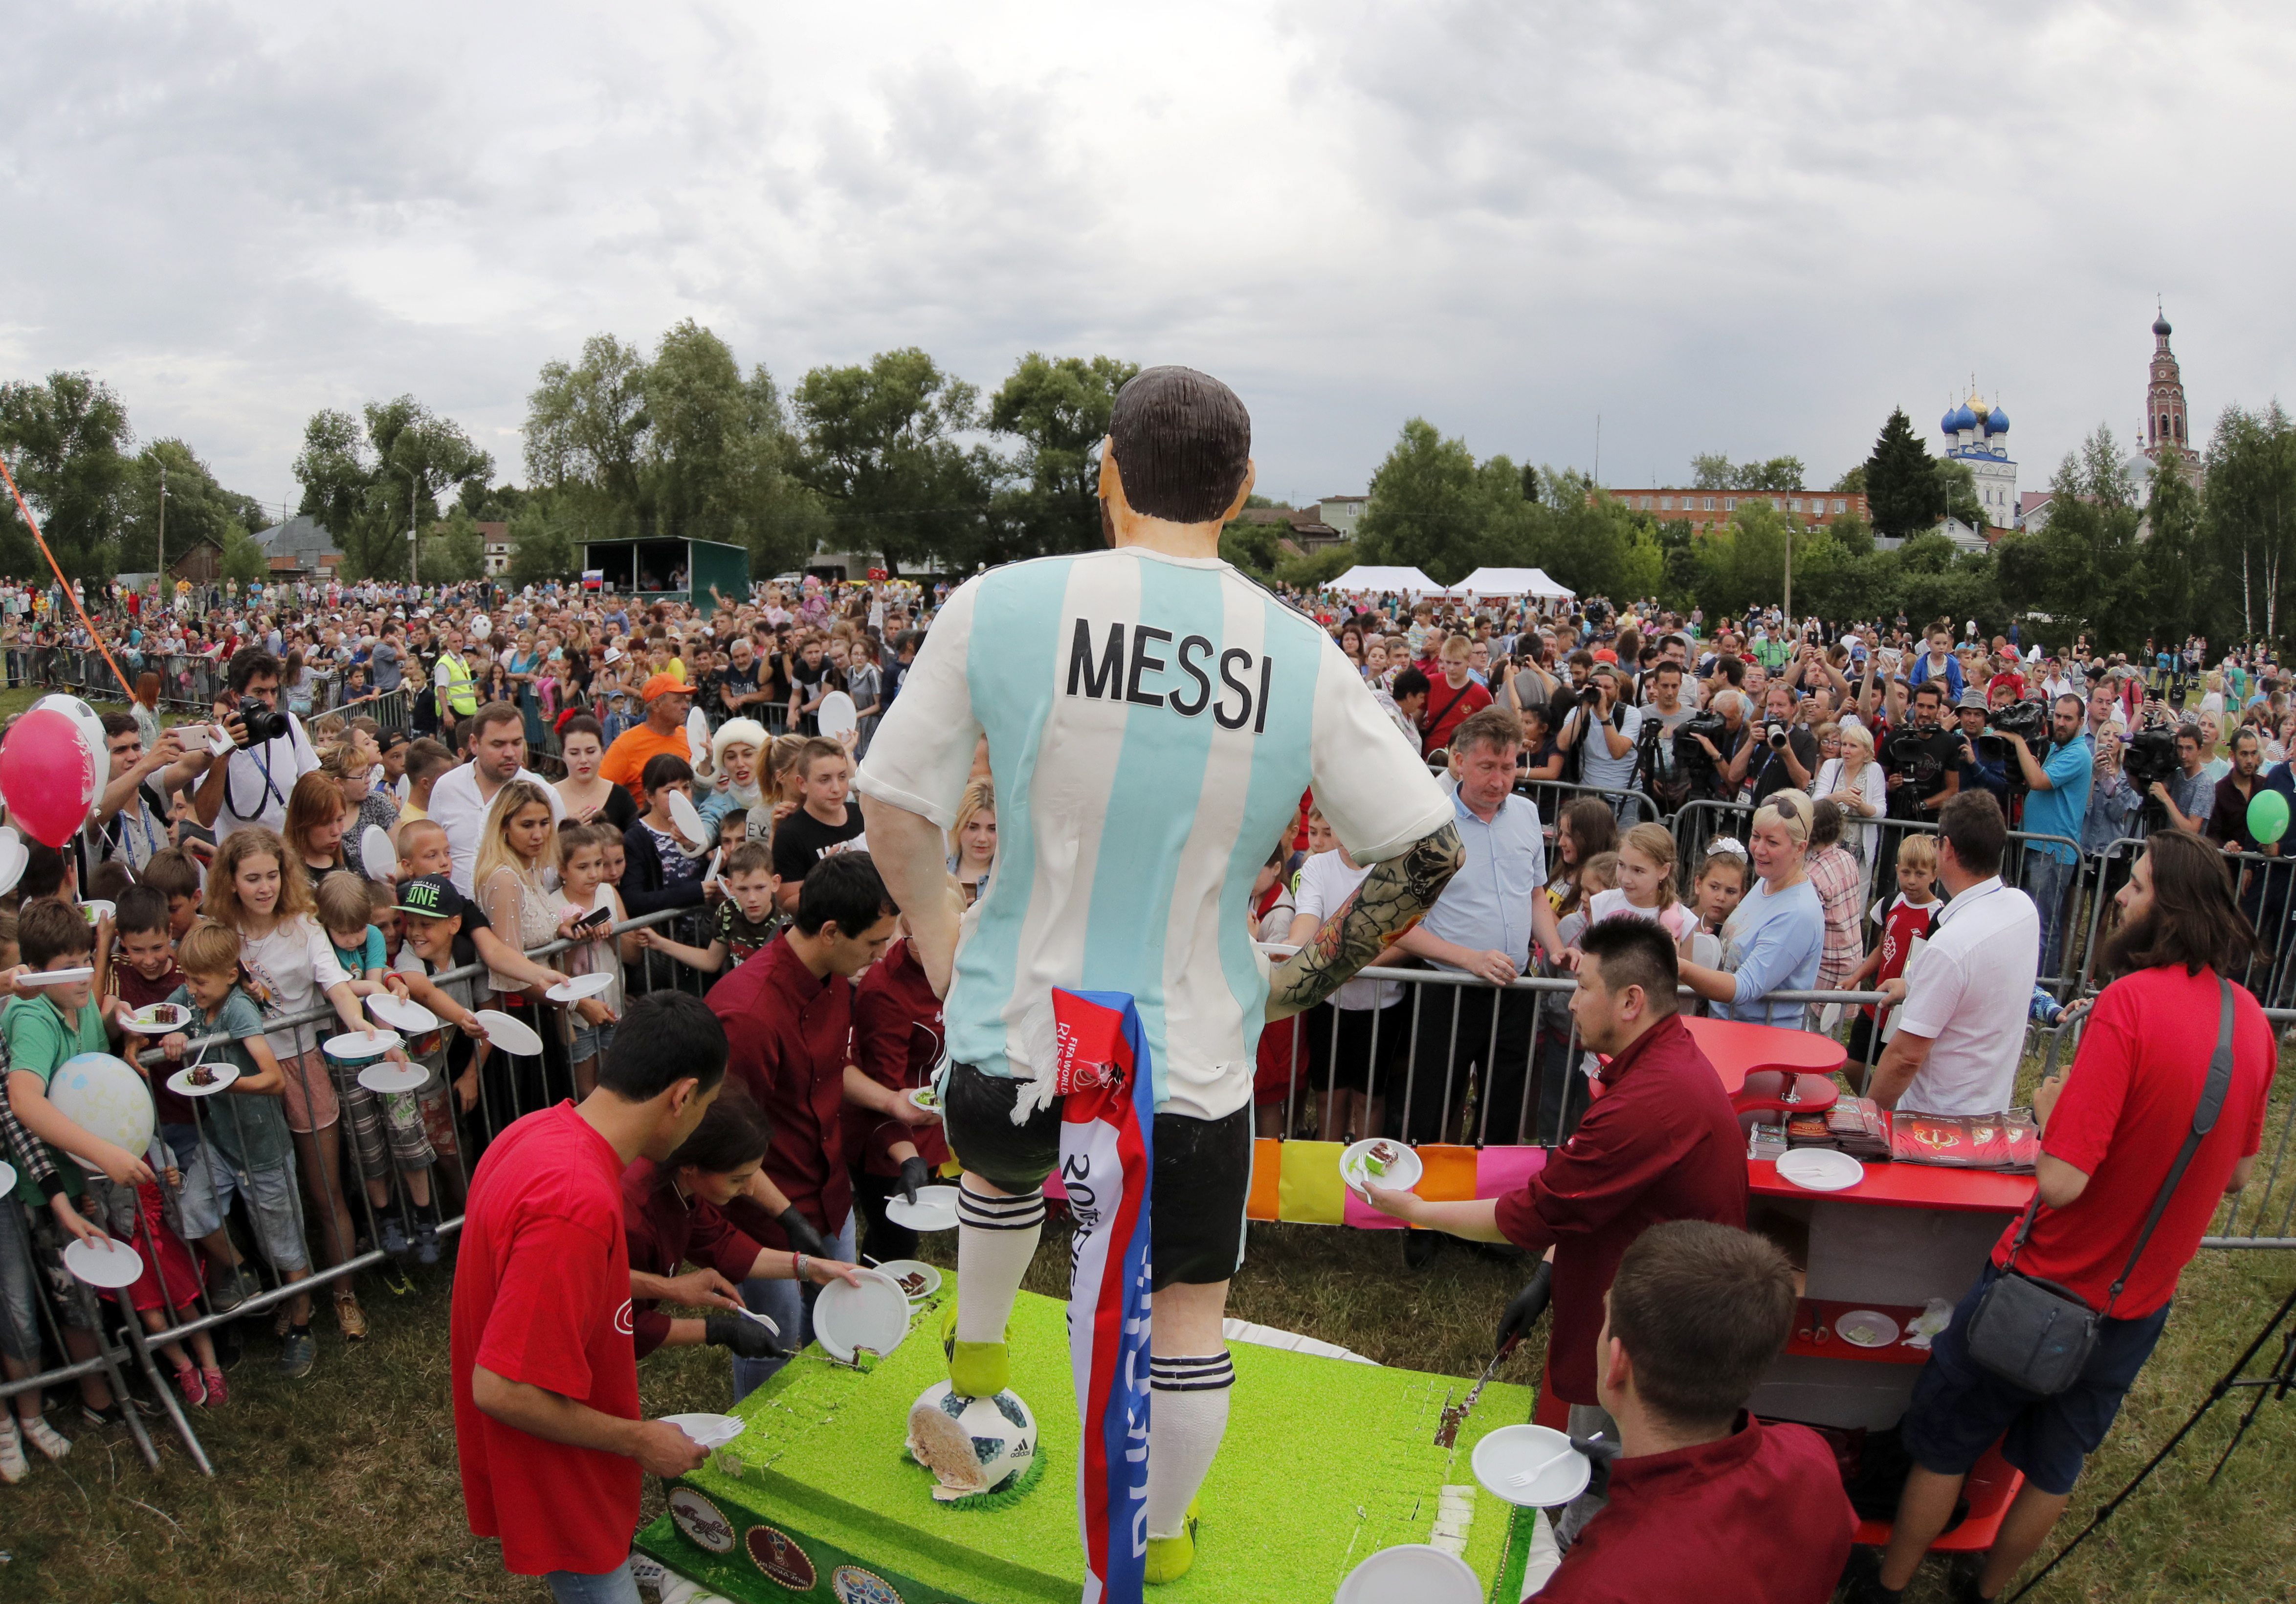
(1750, 229)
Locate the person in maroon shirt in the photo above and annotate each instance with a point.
(1701, 1492)
(1660, 1143)
(1452, 695)
(896, 1039)
(547, 1429)
(671, 1215)
(789, 1014)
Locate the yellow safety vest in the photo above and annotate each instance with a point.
(461, 697)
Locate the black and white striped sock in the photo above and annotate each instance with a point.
(996, 1238)
(1187, 1416)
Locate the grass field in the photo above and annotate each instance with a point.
(343, 1486)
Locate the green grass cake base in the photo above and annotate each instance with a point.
(1324, 1463)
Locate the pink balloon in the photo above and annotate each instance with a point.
(48, 777)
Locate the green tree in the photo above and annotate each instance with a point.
(1852, 483)
(2177, 562)
(66, 440)
(1433, 507)
(1712, 470)
(882, 447)
(1901, 481)
(198, 508)
(1252, 547)
(1311, 568)
(2250, 520)
(585, 424)
(542, 546)
(453, 552)
(369, 481)
(243, 558)
(1057, 408)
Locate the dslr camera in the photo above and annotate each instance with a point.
(1775, 732)
(263, 722)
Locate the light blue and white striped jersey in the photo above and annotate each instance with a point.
(1152, 723)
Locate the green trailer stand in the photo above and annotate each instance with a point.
(669, 570)
(1325, 1461)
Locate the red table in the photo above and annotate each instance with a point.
(1737, 1049)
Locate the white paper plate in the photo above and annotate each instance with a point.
(388, 1077)
(1512, 1449)
(874, 1315)
(376, 852)
(1403, 1171)
(903, 1270)
(96, 908)
(835, 716)
(157, 1019)
(709, 1431)
(512, 1035)
(687, 820)
(180, 1083)
(1411, 1573)
(924, 1098)
(402, 1014)
(7, 1177)
(697, 736)
(1821, 1170)
(56, 977)
(15, 859)
(114, 1265)
(576, 988)
(935, 1209)
(1866, 1329)
(358, 1044)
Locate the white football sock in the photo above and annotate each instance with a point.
(1187, 1416)
(996, 1238)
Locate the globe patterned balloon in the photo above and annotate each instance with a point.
(106, 1098)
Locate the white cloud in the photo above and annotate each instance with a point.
(1751, 230)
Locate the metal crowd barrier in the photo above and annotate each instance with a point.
(508, 1087)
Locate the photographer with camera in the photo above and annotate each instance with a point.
(1779, 752)
(1603, 729)
(2058, 783)
(269, 752)
(1663, 771)
(2189, 796)
(1984, 765)
(1922, 758)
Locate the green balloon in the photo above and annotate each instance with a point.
(2267, 817)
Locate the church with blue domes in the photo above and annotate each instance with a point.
(1979, 437)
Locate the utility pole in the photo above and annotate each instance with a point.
(162, 563)
(413, 536)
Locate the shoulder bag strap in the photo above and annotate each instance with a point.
(2204, 1119)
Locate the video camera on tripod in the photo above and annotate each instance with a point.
(2029, 720)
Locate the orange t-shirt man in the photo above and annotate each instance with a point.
(626, 759)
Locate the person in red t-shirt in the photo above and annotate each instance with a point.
(545, 1380)
(1695, 1315)
(2111, 1129)
(1452, 696)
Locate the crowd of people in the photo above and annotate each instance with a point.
(325, 800)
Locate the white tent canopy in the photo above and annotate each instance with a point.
(1512, 582)
(1409, 580)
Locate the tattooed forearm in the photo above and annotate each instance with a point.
(1392, 898)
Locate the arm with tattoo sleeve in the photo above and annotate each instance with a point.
(1393, 897)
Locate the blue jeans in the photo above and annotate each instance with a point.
(789, 1305)
(2048, 881)
(616, 1586)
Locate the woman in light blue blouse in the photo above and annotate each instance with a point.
(1776, 937)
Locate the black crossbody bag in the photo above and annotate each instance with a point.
(2039, 1335)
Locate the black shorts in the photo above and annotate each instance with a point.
(1345, 1057)
(1202, 1178)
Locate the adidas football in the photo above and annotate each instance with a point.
(971, 1445)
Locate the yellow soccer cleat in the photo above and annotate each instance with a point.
(1169, 1558)
(976, 1369)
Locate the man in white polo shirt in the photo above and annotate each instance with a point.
(460, 800)
(1962, 1029)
